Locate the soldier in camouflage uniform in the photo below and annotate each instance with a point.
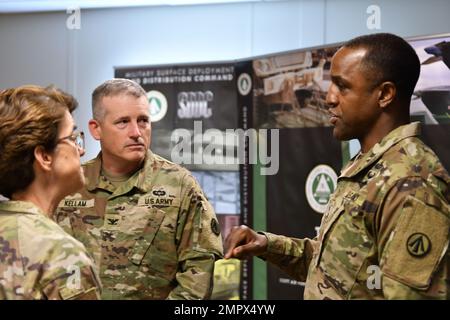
(385, 234)
(38, 154)
(145, 219)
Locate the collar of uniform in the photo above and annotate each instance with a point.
(145, 172)
(139, 179)
(359, 163)
(93, 172)
(20, 207)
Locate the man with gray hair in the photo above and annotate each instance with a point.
(146, 221)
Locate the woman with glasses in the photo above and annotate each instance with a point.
(40, 153)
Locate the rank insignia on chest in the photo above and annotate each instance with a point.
(112, 221)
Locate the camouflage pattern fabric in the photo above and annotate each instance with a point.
(154, 237)
(38, 260)
(385, 234)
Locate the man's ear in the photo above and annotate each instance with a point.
(95, 129)
(43, 159)
(388, 92)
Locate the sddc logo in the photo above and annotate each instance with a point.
(194, 104)
(158, 105)
(320, 185)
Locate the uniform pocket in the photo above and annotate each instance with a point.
(145, 239)
(345, 247)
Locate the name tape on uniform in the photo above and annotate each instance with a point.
(73, 203)
(160, 201)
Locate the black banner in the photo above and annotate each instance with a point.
(203, 92)
(245, 103)
(288, 209)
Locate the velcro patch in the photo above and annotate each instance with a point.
(417, 245)
(112, 221)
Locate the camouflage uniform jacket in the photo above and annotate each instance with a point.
(38, 260)
(385, 234)
(154, 237)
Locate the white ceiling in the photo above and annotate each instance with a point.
(14, 6)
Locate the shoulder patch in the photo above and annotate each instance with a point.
(215, 227)
(417, 245)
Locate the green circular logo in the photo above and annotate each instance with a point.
(320, 185)
(244, 83)
(158, 105)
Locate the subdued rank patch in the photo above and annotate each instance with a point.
(112, 221)
(215, 227)
(418, 245)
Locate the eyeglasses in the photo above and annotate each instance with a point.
(77, 137)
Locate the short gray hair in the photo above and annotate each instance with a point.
(111, 88)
